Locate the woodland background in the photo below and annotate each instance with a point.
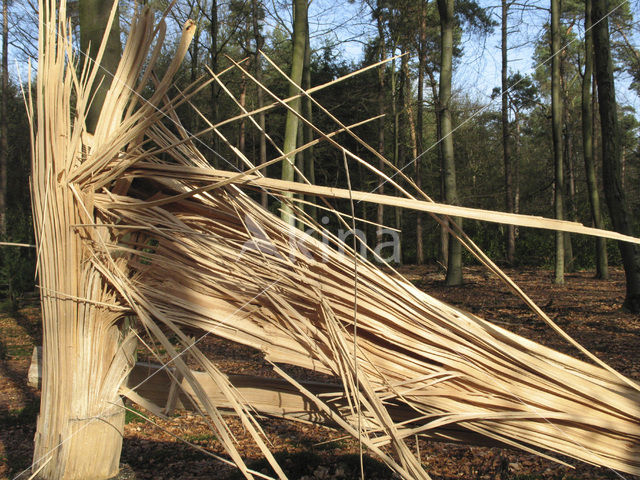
(349, 35)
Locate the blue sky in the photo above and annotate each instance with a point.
(478, 71)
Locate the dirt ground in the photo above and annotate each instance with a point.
(587, 308)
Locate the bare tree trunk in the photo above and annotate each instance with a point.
(408, 107)
(242, 134)
(214, 28)
(611, 154)
(291, 126)
(602, 264)
(381, 111)
(444, 234)
(193, 117)
(506, 139)
(396, 98)
(556, 127)
(570, 206)
(257, 65)
(454, 263)
(422, 60)
(4, 130)
(307, 131)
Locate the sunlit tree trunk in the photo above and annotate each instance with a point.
(556, 127)
(291, 125)
(445, 7)
(612, 153)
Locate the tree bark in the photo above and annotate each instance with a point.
(307, 131)
(506, 139)
(444, 234)
(214, 28)
(422, 60)
(257, 65)
(291, 126)
(556, 128)
(445, 8)
(94, 15)
(602, 264)
(4, 130)
(612, 153)
(381, 111)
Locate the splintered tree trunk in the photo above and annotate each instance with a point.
(556, 127)
(612, 153)
(85, 355)
(454, 263)
(602, 265)
(291, 126)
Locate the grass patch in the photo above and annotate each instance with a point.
(133, 416)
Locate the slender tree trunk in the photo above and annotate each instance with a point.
(611, 154)
(570, 207)
(422, 60)
(192, 118)
(506, 139)
(307, 131)
(4, 130)
(381, 111)
(602, 264)
(556, 127)
(396, 98)
(257, 65)
(215, 88)
(445, 7)
(291, 126)
(242, 99)
(516, 169)
(444, 234)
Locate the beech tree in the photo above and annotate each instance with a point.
(300, 10)
(445, 8)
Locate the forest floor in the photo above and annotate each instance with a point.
(587, 308)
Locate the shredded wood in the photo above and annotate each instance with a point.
(133, 222)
